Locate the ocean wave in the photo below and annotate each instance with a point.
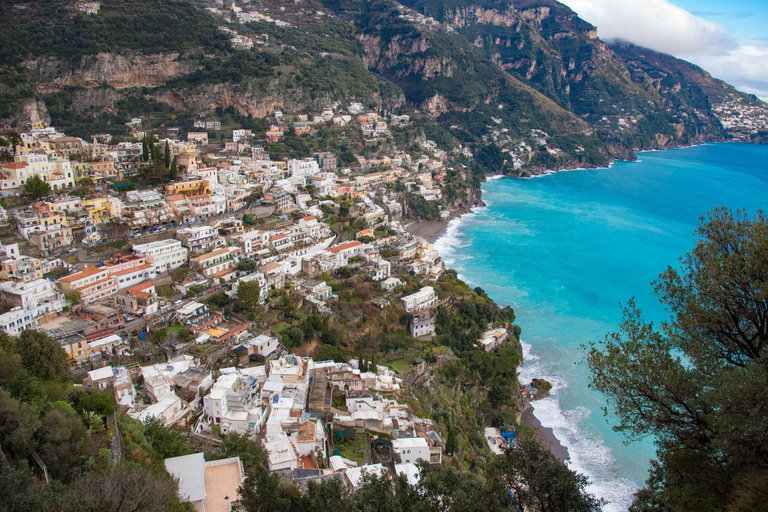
(589, 454)
(451, 239)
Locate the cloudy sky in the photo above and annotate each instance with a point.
(727, 38)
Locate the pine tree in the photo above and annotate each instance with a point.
(373, 368)
(144, 149)
(174, 170)
(167, 155)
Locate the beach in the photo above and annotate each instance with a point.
(544, 435)
(430, 231)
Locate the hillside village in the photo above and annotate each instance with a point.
(281, 300)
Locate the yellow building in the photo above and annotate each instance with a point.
(188, 187)
(95, 170)
(101, 209)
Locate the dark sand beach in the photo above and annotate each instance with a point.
(544, 435)
(428, 230)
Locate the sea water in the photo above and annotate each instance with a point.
(568, 250)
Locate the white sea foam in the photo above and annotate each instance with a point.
(494, 177)
(451, 240)
(588, 453)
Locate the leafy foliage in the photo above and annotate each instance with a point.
(695, 382)
(36, 187)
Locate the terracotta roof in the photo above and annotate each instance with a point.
(349, 245)
(268, 267)
(15, 165)
(175, 197)
(87, 271)
(309, 218)
(141, 287)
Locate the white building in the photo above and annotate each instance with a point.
(200, 238)
(305, 168)
(411, 449)
(33, 301)
(163, 255)
(233, 404)
(426, 298)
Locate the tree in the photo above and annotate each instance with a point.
(541, 482)
(126, 487)
(174, 172)
(329, 352)
(15, 140)
(366, 239)
(18, 423)
(697, 382)
(61, 436)
(167, 155)
(167, 443)
(248, 295)
(246, 266)
(73, 297)
(42, 356)
(344, 273)
(36, 187)
(145, 149)
(93, 400)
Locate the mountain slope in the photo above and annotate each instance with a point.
(508, 73)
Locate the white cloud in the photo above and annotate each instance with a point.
(745, 67)
(655, 24)
(664, 27)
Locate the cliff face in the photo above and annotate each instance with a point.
(256, 99)
(120, 71)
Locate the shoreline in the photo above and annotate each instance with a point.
(545, 436)
(433, 230)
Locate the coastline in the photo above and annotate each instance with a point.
(432, 230)
(544, 435)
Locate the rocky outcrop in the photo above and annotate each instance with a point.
(256, 98)
(437, 105)
(108, 69)
(404, 56)
(31, 111)
(101, 99)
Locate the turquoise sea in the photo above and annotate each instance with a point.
(568, 249)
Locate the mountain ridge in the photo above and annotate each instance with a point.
(529, 66)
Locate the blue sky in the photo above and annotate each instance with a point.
(727, 38)
(746, 18)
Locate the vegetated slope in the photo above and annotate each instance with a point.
(632, 97)
(478, 66)
(145, 56)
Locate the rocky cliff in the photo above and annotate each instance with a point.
(116, 70)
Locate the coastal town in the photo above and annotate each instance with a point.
(217, 291)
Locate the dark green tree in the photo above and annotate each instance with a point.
(15, 140)
(248, 295)
(167, 155)
(36, 187)
(42, 356)
(246, 265)
(697, 382)
(174, 172)
(541, 482)
(145, 149)
(167, 443)
(126, 487)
